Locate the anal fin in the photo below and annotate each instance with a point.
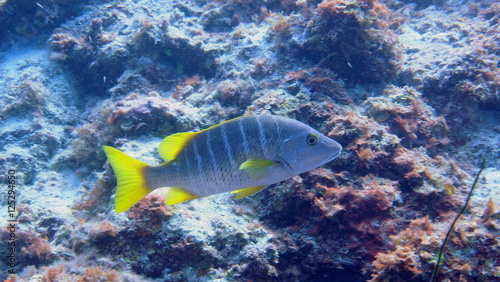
(242, 193)
(177, 195)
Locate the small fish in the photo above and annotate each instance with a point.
(242, 155)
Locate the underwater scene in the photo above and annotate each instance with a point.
(250, 140)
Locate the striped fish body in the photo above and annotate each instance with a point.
(245, 155)
(210, 162)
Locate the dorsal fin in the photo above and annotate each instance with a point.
(172, 145)
(229, 120)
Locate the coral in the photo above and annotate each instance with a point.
(223, 19)
(90, 274)
(37, 249)
(53, 274)
(261, 67)
(99, 274)
(336, 219)
(376, 196)
(412, 118)
(35, 109)
(487, 218)
(369, 141)
(409, 118)
(320, 82)
(424, 174)
(401, 134)
(32, 18)
(30, 95)
(103, 230)
(80, 54)
(25, 214)
(186, 88)
(84, 148)
(96, 195)
(34, 249)
(275, 102)
(150, 213)
(137, 115)
(235, 92)
(282, 28)
(453, 66)
(121, 56)
(403, 258)
(415, 248)
(343, 38)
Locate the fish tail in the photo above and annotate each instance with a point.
(131, 182)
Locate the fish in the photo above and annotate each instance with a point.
(243, 155)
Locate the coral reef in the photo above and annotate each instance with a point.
(319, 82)
(355, 39)
(29, 19)
(137, 115)
(412, 120)
(409, 88)
(123, 52)
(470, 79)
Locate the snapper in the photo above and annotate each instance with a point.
(242, 155)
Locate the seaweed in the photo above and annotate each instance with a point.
(435, 271)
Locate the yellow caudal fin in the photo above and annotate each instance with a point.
(131, 185)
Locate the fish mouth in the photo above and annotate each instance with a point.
(331, 157)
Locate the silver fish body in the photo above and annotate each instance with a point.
(210, 162)
(242, 155)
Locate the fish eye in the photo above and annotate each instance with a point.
(312, 139)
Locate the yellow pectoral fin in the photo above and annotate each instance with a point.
(131, 185)
(172, 145)
(257, 168)
(242, 193)
(178, 195)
